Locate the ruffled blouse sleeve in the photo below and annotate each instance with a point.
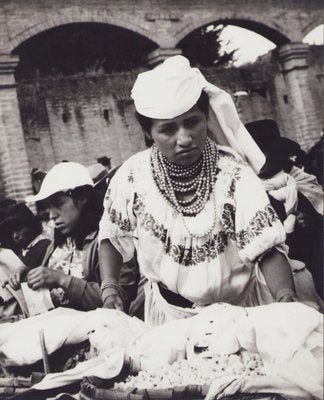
(257, 226)
(118, 222)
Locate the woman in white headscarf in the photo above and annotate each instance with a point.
(194, 211)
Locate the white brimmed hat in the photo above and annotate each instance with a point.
(61, 178)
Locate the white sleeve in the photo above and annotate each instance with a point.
(118, 221)
(257, 226)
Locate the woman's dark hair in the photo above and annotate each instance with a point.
(90, 216)
(146, 122)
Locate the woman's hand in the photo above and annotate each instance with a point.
(14, 280)
(114, 301)
(43, 277)
(113, 296)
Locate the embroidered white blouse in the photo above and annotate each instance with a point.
(207, 258)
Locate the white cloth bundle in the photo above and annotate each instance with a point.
(62, 326)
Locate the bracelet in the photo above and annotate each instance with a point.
(285, 292)
(109, 288)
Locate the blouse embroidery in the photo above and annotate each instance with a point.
(215, 245)
(122, 223)
(262, 219)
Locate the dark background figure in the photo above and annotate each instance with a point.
(105, 161)
(99, 175)
(281, 153)
(306, 241)
(21, 231)
(38, 176)
(5, 203)
(315, 161)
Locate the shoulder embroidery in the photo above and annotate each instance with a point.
(262, 219)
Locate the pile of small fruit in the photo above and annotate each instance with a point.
(201, 370)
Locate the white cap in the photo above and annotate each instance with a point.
(168, 90)
(61, 178)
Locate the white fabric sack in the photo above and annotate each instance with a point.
(230, 385)
(61, 326)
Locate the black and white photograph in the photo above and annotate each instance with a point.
(161, 199)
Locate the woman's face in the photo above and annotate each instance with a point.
(181, 139)
(65, 212)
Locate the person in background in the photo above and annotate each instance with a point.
(38, 176)
(99, 175)
(105, 161)
(315, 160)
(285, 160)
(21, 231)
(5, 203)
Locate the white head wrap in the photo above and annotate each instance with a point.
(173, 88)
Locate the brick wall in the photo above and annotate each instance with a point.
(14, 174)
(83, 117)
(79, 118)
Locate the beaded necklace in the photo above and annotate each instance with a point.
(197, 180)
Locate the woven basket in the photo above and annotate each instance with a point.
(91, 391)
(10, 386)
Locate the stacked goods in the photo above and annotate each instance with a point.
(201, 370)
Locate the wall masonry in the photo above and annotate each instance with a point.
(82, 117)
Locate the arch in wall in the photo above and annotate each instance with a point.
(76, 47)
(269, 32)
(59, 19)
(312, 26)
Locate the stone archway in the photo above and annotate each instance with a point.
(271, 32)
(76, 114)
(285, 22)
(312, 25)
(57, 19)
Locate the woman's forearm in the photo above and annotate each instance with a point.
(277, 272)
(110, 262)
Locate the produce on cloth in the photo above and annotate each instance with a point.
(201, 370)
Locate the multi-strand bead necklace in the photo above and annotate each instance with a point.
(195, 181)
